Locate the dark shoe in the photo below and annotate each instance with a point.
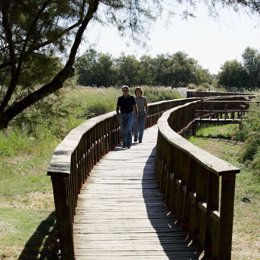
(135, 140)
(140, 141)
(129, 146)
(124, 146)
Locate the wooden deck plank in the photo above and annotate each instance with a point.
(120, 212)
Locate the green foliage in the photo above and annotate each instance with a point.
(64, 110)
(222, 132)
(32, 32)
(236, 75)
(233, 75)
(251, 134)
(251, 63)
(97, 69)
(13, 142)
(154, 94)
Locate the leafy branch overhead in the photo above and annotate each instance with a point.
(33, 33)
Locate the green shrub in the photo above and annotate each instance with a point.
(191, 86)
(154, 94)
(201, 89)
(250, 133)
(214, 131)
(250, 147)
(255, 165)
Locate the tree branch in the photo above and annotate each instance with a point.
(30, 30)
(43, 44)
(8, 33)
(25, 53)
(9, 38)
(59, 79)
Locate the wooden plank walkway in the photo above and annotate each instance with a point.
(120, 212)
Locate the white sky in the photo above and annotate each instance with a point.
(211, 41)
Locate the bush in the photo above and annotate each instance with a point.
(255, 165)
(154, 94)
(191, 86)
(59, 113)
(250, 133)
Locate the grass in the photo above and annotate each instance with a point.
(25, 190)
(246, 233)
(224, 132)
(26, 200)
(251, 134)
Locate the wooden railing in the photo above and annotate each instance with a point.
(197, 186)
(74, 158)
(196, 94)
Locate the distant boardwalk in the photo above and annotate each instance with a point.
(120, 212)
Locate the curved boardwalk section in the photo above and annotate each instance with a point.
(121, 214)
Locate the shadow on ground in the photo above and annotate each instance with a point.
(43, 244)
(170, 234)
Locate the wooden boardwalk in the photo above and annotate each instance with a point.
(121, 214)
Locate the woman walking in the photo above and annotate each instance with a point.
(142, 109)
(127, 106)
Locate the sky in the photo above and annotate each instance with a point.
(211, 41)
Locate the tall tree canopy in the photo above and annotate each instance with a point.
(99, 69)
(32, 32)
(239, 75)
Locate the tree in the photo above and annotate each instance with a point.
(233, 75)
(146, 73)
(160, 66)
(95, 69)
(251, 62)
(37, 28)
(128, 70)
(31, 29)
(183, 70)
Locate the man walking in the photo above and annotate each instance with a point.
(128, 109)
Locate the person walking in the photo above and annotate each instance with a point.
(127, 107)
(142, 108)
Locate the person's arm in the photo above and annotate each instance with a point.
(146, 105)
(135, 108)
(117, 109)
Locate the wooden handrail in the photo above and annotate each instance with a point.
(193, 94)
(74, 158)
(70, 166)
(198, 187)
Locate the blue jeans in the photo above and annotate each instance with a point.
(139, 125)
(126, 124)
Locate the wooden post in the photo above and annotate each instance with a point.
(62, 209)
(226, 216)
(212, 204)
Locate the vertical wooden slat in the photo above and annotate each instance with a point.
(62, 212)
(226, 216)
(212, 205)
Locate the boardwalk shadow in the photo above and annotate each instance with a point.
(43, 243)
(172, 238)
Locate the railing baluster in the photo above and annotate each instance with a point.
(77, 155)
(63, 212)
(177, 170)
(192, 191)
(226, 216)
